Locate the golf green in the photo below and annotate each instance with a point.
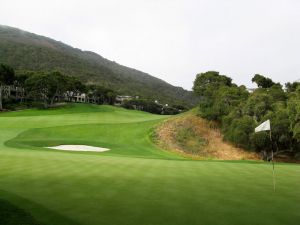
(135, 183)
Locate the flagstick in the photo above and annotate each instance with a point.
(265, 126)
(274, 183)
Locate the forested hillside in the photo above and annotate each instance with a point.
(238, 112)
(26, 51)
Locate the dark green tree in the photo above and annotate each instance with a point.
(226, 99)
(102, 95)
(209, 86)
(294, 113)
(57, 85)
(262, 82)
(7, 77)
(46, 86)
(74, 87)
(143, 105)
(38, 87)
(292, 87)
(239, 130)
(207, 83)
(282, 137)
(258, 105)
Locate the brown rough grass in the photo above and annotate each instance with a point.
(215, 147)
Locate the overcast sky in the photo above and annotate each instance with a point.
(174, 39)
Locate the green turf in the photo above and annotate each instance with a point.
(134, 183)
(12, 215)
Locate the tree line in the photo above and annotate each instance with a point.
(238, 111)
(47, 88)
(44, 89)
(153, 107)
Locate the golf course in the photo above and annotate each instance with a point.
(135, 182)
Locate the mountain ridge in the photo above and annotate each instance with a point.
(28, 51)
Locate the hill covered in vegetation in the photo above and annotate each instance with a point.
(27, 51)
(238, 112)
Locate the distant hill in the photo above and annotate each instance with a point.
(27, 51)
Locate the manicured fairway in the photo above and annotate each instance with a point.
(134, 183)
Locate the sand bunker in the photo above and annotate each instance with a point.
(79, 148)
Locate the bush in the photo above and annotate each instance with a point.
(143, 105)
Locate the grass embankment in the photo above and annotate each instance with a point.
(192, 136)
(135, 182)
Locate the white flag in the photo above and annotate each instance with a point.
(264, 126)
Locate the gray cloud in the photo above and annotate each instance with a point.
(174, 39)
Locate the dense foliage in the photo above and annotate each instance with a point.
(50, 87)
(46, 88)
(7, 75)
(26, 51)
(239, 111)
(152, 107)
(101, 95)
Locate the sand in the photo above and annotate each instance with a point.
(79, 148)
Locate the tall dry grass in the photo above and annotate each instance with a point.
(215, 147)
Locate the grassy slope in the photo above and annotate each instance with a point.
(197, 138)
(119, 188)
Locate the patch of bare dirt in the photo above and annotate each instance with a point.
(166, 135)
